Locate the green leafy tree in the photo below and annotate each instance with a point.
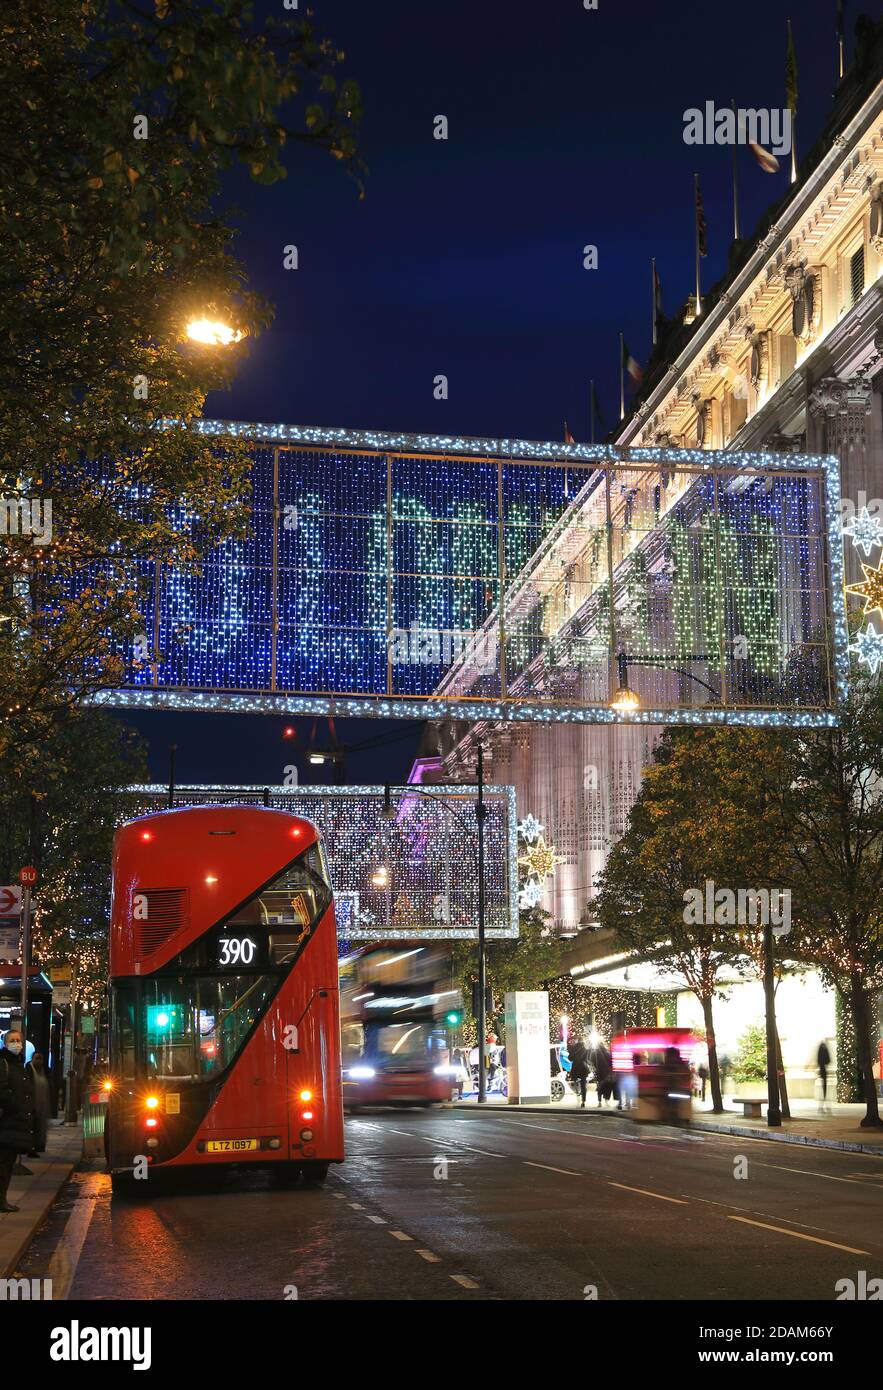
(119, 122)
(749, 1063)
(66, 831)
(825, 788)
(527, 962)
(699, 817)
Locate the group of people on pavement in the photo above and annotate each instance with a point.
(24, 1110)
(595, 1063)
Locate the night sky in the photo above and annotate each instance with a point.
(465, 256)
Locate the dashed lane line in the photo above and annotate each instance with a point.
(798, 1235)
(463, 1280)
(429, 1257)
(401, 1235)
(568, 1172)
(378, 1220)
(660, 1196)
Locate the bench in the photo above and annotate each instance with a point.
(752, 1109)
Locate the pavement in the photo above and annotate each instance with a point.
(446, 1205)
(36, 1195)
(838, 1128)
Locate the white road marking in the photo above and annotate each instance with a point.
(401, 1235)
(464, 1278)
(768, 1215)
(569, 1172)
(451, 1143)
(378, 1220)
(341, 1196)
(811, 1173)
(798, 1235)
(430, 1257)
(571, 1133)
(357, 1206)
(63, 1264)
(645, 1193)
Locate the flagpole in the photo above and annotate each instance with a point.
(592, 408)
(792, 101)
(735, 180)
(653, 295)
(621, 379)
(696, 220)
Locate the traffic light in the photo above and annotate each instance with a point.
(476, 999)
(453, 1018)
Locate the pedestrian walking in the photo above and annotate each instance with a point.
(42, 1103)
(602, 1066)
(823, 1062)
(579, 1068)
(16, 1111)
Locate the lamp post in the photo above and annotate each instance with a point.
(480, 812)
(626, 701)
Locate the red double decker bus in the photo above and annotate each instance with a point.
(225, 1029)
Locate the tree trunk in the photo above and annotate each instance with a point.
(859, 1001)
(780, 1071)
(714, 1075)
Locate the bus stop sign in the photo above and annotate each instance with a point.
(28, 876)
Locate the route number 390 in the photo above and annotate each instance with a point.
(237, 950)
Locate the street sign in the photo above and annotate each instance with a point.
(10, 900)
(61, 996)
(9, 939)
(59, 973)
(28, 875)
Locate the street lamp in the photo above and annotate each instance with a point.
(213, 333)
(626, 701)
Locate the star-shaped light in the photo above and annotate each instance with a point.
(530, 894)
(530, 829)
(871, 590)
(865, 530)
(868, 646)
(541, 860)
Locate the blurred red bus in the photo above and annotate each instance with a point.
(397, 1019)
(225, 1030)
(652, 1043)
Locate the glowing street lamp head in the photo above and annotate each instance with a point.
(380, 876)
(211, 333)
(625, 701)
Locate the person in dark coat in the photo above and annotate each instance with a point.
(602, 1066)
(579, 1068)
(42, 1103)
(17, 1134)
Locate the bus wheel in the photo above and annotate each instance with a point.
(315, 1174)
(285, 1174)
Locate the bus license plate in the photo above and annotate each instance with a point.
(224, 1146)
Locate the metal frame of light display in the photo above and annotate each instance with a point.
(370, 585)
(429, 846)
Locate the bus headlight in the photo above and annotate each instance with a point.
(362, 1073)
(152, 1102)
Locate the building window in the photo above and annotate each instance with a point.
(857, 274)
(787, 351)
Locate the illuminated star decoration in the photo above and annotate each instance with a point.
(865, 530)
(530, 829)
(871, 590)
(541, 860)
(868, 646)
(530, 894)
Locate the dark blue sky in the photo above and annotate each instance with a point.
(465, 256)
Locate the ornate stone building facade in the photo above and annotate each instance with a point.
(787, 356)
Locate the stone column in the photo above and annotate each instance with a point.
(841, 412)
